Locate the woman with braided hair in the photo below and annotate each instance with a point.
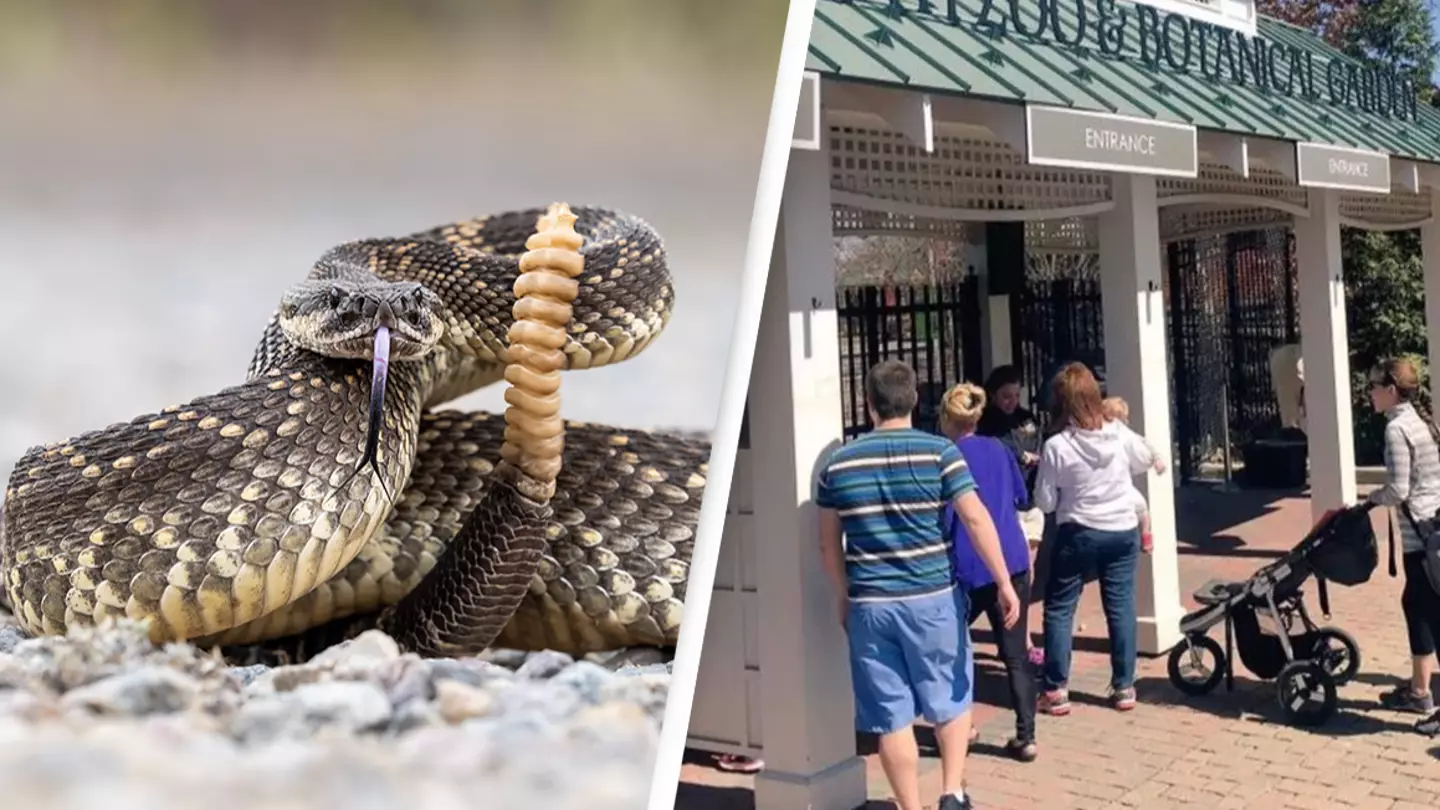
(1412, 487)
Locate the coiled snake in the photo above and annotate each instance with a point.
(296, 504)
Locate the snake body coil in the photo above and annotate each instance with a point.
(272, 508)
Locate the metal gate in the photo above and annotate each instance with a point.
(934, 328)
(1057, 317)
(1231, 300)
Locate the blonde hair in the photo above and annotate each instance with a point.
(1115, 409)
(960, 409)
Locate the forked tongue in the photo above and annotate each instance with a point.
(378, 377)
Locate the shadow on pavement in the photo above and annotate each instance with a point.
(1257, 701)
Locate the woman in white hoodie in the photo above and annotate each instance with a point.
(1086, 477)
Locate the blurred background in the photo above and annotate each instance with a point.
(168, 167)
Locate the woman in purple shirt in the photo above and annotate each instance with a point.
(1002, 489)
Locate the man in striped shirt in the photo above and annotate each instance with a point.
(906, 620)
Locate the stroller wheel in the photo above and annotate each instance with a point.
(1337, 651)
(1196, 665)
(1307, 693)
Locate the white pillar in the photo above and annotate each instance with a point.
(994, 310)
(1325, 348)
(998, 351)
(807, 715)
(1430, 252)
(1133, 303)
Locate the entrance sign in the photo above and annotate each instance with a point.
(1077, 139)
(1321, 166)
(808, 124)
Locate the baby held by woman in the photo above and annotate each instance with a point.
(1118, 410)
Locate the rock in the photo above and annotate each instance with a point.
(366, 650)
(414, 715)
(510, 659)
(247, 675)
(343, 707)
(544, 664)
(469, 671)
(10, 635)
(152, 690)
(647, 691)
(630, 657)
(584, 679)
(617, 725)
(458, 702)
(664, 669)
(407, 679)
(288, 679)
(546, 701)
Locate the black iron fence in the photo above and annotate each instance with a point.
(1232, 301)
(1229, 300)
(1055, 320)
(934, 328)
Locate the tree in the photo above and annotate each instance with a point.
(1393, 33)
(1397, 34)
(1384, 286)
(1332, 21)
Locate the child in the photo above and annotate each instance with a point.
(1118, 410)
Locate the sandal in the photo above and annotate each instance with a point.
(734, 763)
(1022, 750)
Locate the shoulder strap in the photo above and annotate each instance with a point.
(1404, 509)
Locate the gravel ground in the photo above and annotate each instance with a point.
(104, 719)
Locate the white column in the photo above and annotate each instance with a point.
(1133, 303)
(1430, 252)
(994, 310)
(807, 715)
(998, 351)
(1325, 348)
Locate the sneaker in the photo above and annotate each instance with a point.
(1405, 699)
(950, 802)
(1430, 726)
(1022, 750)
(1055, 703)
(1123, 699)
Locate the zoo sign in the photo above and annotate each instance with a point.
(1182, 44)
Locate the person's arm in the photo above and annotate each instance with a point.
(832, 543)
(1137, 450)
(1046, 495)
(1397, 469)
(832, 551)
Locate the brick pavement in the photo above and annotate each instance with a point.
(1226, 750)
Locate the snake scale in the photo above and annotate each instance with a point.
(297, 503)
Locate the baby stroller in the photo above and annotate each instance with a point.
(1308, 661)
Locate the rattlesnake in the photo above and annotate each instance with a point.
(259, 513)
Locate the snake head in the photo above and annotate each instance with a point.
(340, 317)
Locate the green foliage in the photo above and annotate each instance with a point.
(1384, 279)
(1397, 34)
(1385, 313)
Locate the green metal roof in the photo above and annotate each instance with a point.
(869, 41)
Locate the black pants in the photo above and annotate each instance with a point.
(1421, 606)
(1012, 649)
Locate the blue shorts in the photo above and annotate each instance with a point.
(910, 658)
